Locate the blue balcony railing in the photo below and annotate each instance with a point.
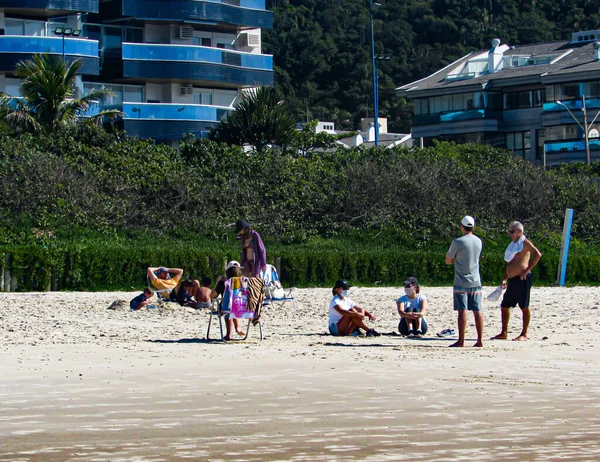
(573, 105)
(82, 6)
(454, 116)
(247, 13)
(196, 54)
(470, 114)
(570, 146)
(52, 45)
(166, 111)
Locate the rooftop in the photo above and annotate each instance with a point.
(543, 63)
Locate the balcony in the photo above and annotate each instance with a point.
(573, 105)
(192, 63)
(246, 13)
(81, 6)
(166, 111)
(558, 152)
(455, 116)
(15, 48)
(162, 121)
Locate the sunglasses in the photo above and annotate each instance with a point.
(407, 286)
(512, 231)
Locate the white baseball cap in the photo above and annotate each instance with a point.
(232, 264)
(468, 221)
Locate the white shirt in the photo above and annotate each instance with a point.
(346, 304)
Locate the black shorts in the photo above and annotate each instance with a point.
(517, 292)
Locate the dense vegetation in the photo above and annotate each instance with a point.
(322, 47)
(80, 205)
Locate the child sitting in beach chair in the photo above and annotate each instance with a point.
(142, 299)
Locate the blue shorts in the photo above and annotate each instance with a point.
(333, 330)
(467, 298)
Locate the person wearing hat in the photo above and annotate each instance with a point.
(412, 308)
(345, 316)
(232, 270)
(464, 254)
(164, 278)
(254, 255)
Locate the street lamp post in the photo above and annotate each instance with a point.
(372, 5)
(585, 127)
(63, 32)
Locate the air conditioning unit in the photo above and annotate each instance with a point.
(186, 90)
(247, 39)
(184, 33)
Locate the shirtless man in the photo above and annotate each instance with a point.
(521, 257)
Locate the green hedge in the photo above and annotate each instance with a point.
(123, 267)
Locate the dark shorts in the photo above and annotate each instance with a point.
(403, 326)
(467, 298)
(517, 292)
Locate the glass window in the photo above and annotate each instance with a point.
(111, 37)
(13, 87)
(35, 28)
(116, 98)
(133, 35)
(133, 94)
(570, 91)
(14, 27)
(525, 99)
(92, 32)
(203, 97)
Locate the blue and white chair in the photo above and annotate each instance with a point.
(275, 293)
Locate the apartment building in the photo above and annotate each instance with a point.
(535, 100)
(174, 67)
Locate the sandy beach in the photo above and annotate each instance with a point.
(81, 382)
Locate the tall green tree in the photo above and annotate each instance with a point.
(47, 103)
(260, 119)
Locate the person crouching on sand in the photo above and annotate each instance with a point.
(345, 316)
(412, 308)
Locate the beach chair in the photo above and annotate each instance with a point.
(240, 294)
(162, 295)
(274, 292)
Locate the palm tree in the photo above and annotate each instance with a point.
(47, 102)
(259, 119)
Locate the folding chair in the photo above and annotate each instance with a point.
(274, 292)
(235, 301)
(162, 295)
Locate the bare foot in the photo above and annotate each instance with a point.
(456, 344)
(521, 338)
(500, 337)
(226, 339)
(372, 318)
(479, 345)
(241, 333)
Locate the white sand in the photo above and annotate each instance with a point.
(80, 382)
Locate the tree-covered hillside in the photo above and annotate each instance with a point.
(322, 47)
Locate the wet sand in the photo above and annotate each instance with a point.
(80, 382)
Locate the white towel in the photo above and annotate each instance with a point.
(513, 249)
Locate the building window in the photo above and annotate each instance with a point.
(524, 99)
(519, 143)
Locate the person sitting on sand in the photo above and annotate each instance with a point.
(203, 293)
(412, 308)
(233, 270)
(345, 316)
(185, 295)
(142, 299)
